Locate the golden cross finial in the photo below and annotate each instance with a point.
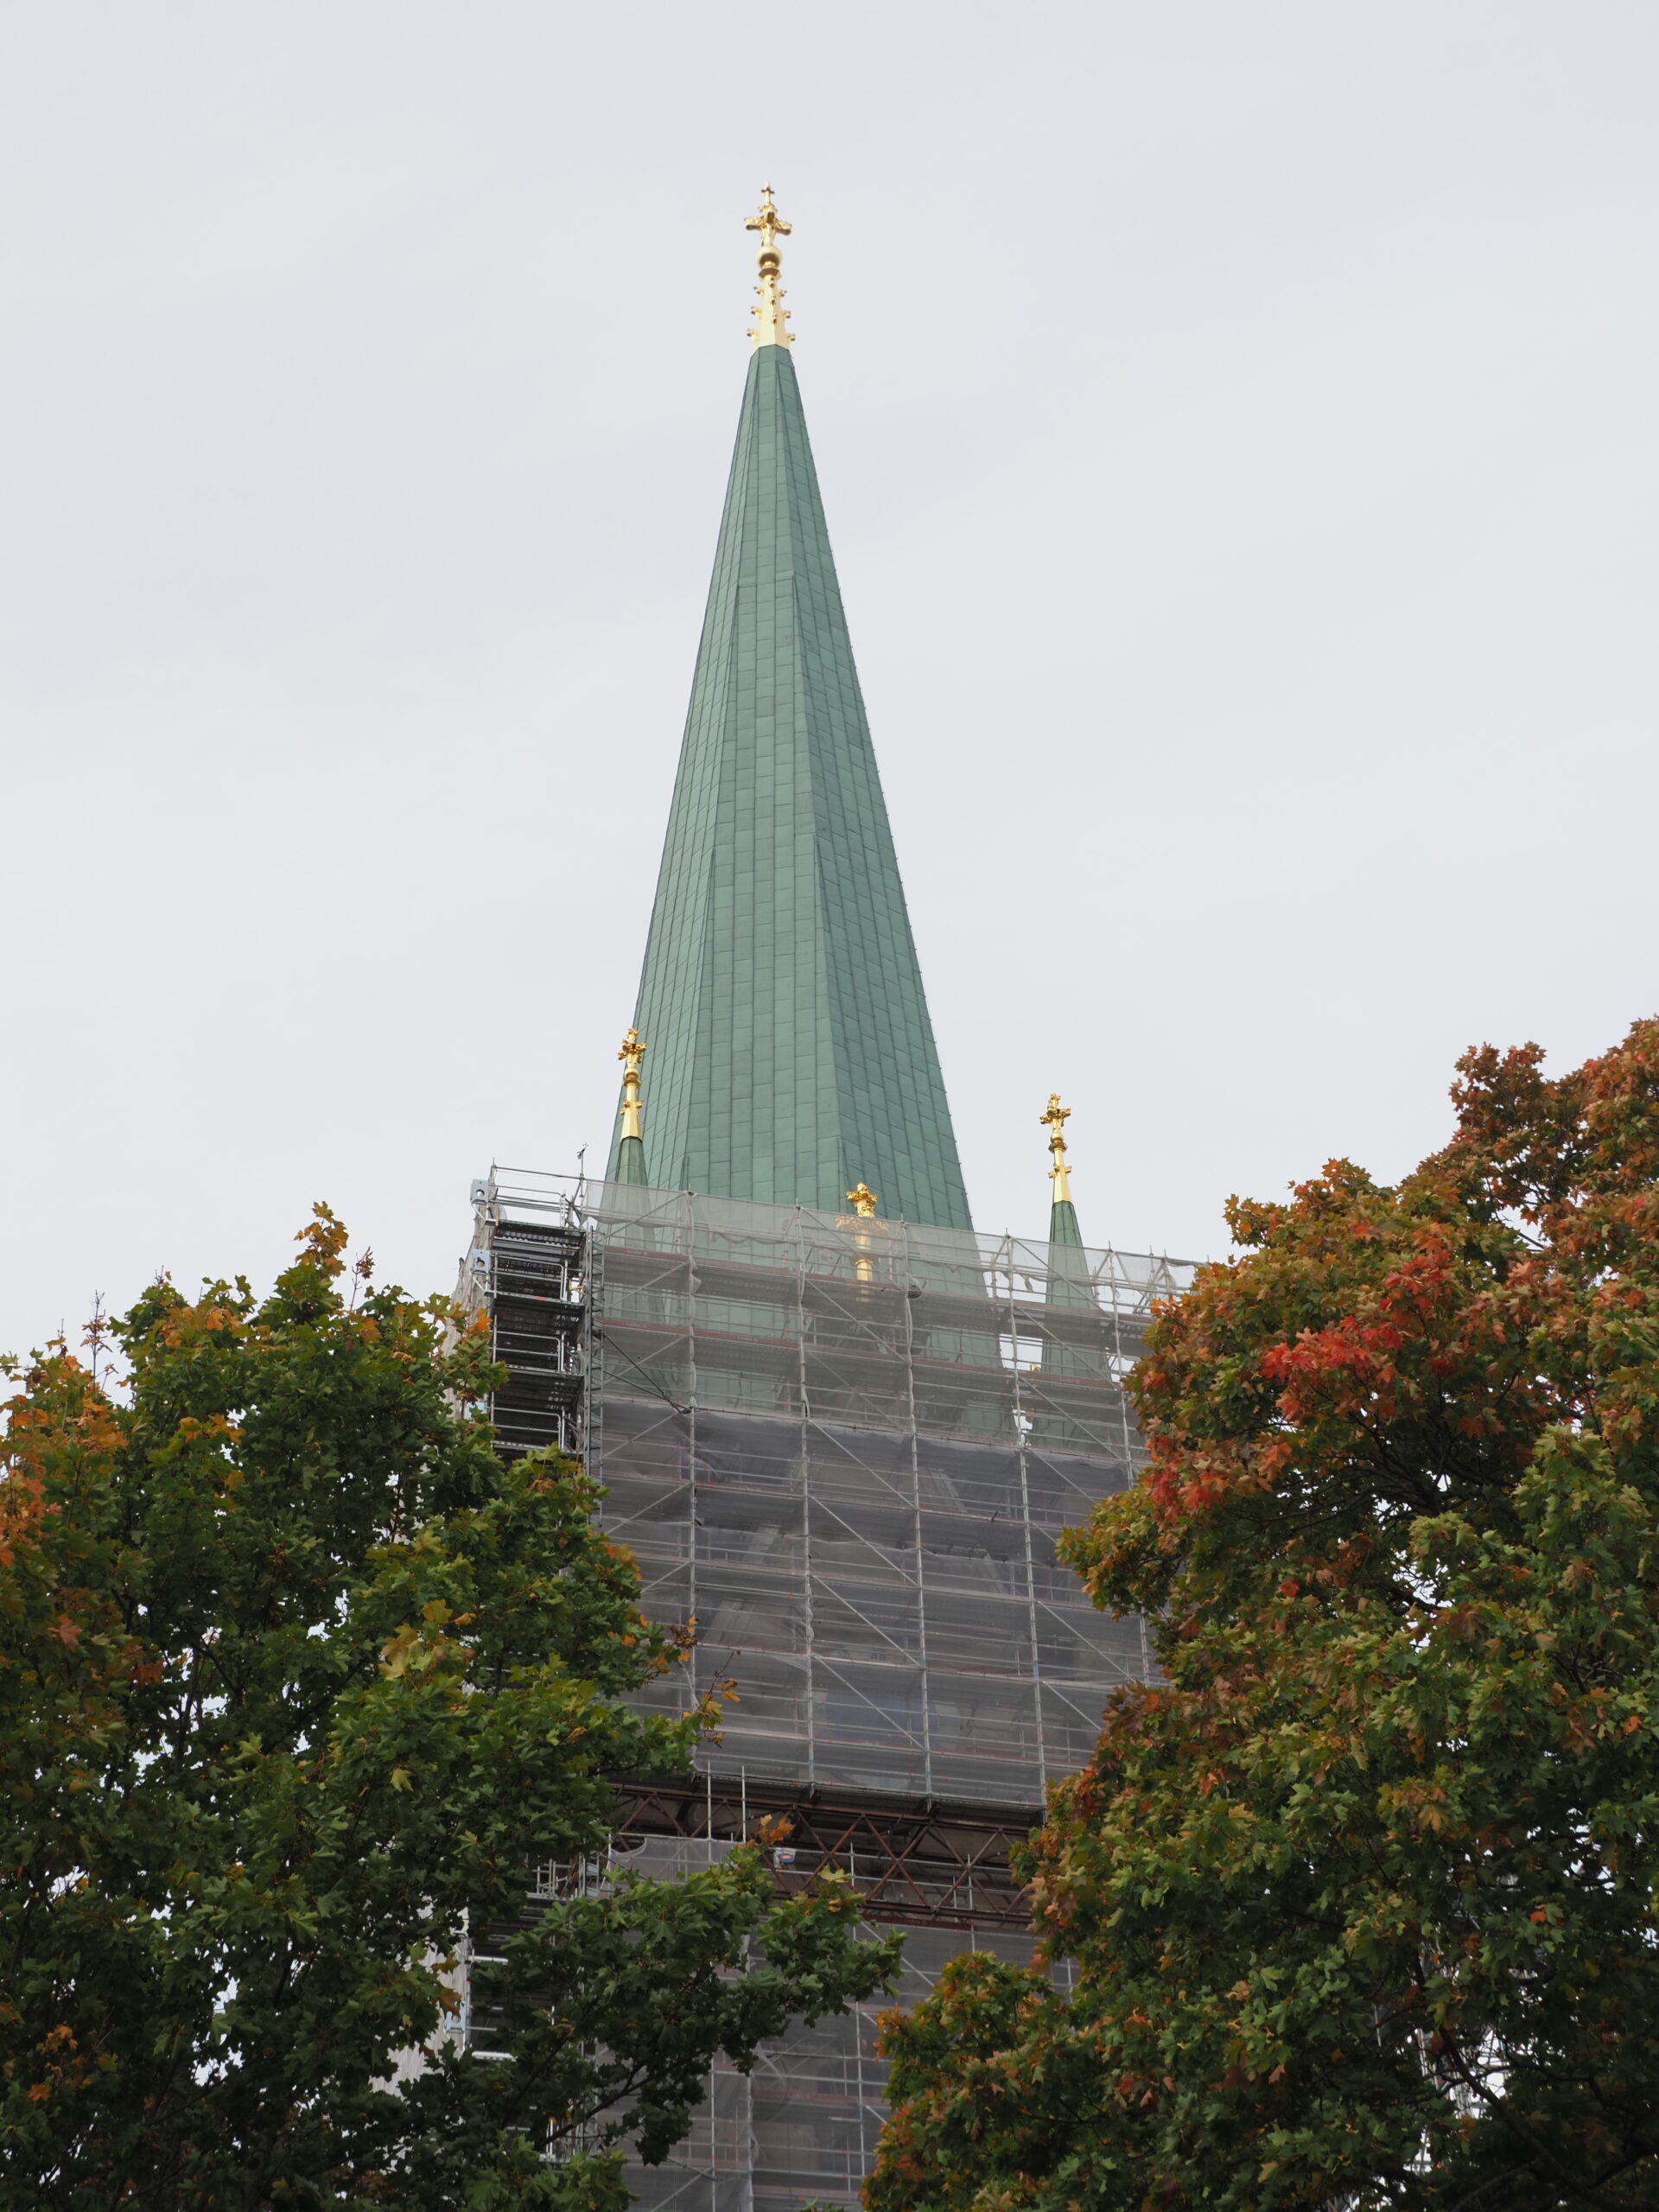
(767, 221)
(771, 316)
(863, 1202)
(633, 1045)
(1054, 1121)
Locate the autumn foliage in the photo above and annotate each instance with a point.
(298, 1684)
(1359, 1902)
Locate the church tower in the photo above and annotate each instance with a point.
(836, 1426)
(791, 1054)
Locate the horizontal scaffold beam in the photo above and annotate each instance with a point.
(917, 1862)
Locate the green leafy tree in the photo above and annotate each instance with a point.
(1360, 1898)
(297, 1682)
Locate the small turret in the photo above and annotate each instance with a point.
(631, 1152)
(1062, 1214)
(1069, 1280)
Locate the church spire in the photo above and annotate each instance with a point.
(771, 316)
(629, 1142)
(791, 1051)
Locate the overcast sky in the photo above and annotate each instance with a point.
(1237, 429)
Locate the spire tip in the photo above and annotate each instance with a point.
(771, 316)
(1054, 1121)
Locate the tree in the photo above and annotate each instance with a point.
(297, 1682)
(1360, 1898)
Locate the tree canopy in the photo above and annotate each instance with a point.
(298, 1682)
(1359, 1899)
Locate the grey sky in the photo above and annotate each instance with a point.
(1236, 425)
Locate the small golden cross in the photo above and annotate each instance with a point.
(863, 1200)
(770, 224)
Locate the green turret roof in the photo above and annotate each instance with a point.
(791, 1052)
(1068, 1270)
(1062, 1225)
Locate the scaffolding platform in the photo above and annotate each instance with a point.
(844, 1448)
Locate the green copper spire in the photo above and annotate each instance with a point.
(1068, 1269)
(791, 1052)
(1068, 1283)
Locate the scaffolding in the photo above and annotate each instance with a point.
(844, 1447)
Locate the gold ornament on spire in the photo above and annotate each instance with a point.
(633, 1046)
(771, 316)
(863, 1202)
(1054, 1121)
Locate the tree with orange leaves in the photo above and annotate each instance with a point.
(1360, 1900)
(298, 1682)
